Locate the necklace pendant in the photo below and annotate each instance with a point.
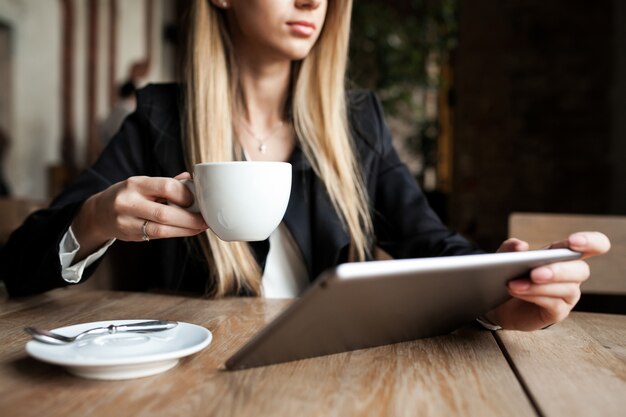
(262, 148)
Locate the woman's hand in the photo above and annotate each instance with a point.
(550, 292)
(121, 210)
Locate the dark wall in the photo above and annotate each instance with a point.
(534, 109)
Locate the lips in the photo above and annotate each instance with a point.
(301, 28)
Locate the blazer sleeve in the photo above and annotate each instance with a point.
(29, 263)
(404, 223)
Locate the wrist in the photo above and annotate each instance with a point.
(87, 226)
(488, 321)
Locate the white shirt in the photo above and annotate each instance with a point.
(285, 274)
(68, 248)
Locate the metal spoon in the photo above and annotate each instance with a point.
(49, 337)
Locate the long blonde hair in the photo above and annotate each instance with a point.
(319, 117)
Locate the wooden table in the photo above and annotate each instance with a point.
(576, 368)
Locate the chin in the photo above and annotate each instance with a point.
(297, 52)
(299, 57)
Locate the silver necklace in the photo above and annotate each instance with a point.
(261, 140)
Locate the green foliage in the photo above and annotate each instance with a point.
(392, 40)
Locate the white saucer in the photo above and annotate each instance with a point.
(122, 355)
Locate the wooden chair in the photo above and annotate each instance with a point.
(606, 289)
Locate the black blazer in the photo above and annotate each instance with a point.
(149, 143)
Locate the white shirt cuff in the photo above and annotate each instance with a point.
(488, 324)
(68, 248)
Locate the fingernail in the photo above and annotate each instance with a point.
(519, 285)
(577, 240)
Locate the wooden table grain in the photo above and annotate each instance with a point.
(470, 372)
(576, 368)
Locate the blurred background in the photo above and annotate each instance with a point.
(497, 106)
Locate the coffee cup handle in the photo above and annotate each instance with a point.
(194, 208)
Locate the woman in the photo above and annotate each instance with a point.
(264, 80)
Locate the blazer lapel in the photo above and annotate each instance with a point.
(313, 221)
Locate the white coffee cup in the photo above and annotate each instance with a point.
(241, 200)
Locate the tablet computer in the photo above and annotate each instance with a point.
(365, 304)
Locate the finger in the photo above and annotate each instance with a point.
(568, 292)
(158, 188)
(550, 309)
(588, 243)
(162, 231)
(183, 176)
(571, 271)
(513, 245)
(170, 216)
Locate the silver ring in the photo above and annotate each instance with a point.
(145, 236)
